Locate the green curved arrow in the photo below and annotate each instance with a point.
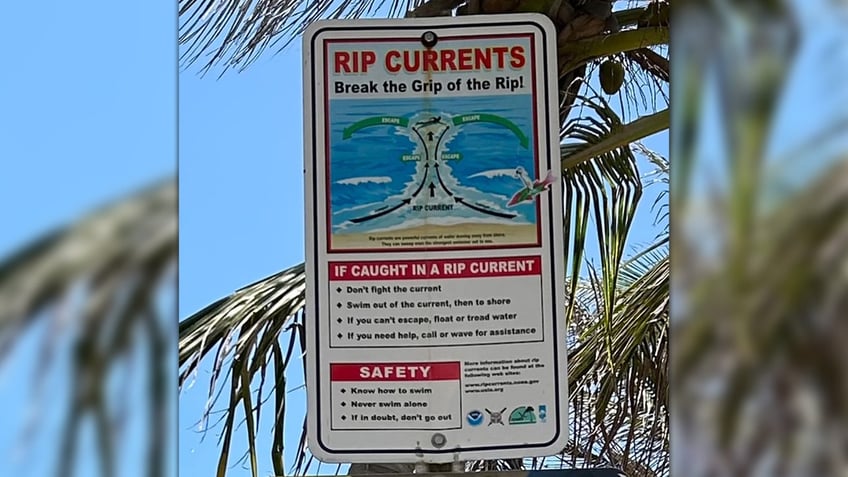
(491, 118)
(374, 121)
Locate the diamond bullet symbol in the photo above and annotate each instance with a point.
(343, 404)
(343, 418)
(339, 289)
(339, 320)
(339, 335)
(339, 305)
(343, 391)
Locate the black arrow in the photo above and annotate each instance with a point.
(430, 136)
(485, 211)
(439, 141)
(380, 214)
(423, 180)
(424, 144)
(444, 187)
(432, 189)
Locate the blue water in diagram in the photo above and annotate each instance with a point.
(435, 169)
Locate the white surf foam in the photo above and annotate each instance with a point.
(364, 180)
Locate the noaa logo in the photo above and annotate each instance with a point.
(474, 418)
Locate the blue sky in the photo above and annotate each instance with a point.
(87, 114)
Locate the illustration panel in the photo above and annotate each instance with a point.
(459, 173)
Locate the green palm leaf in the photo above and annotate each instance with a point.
(608, 187)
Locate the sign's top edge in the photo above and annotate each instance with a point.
(537, 19)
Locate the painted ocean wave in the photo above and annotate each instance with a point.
(365, 180)
(492, 173)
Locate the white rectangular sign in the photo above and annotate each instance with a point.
(434, 240)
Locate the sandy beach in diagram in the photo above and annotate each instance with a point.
(439, 236)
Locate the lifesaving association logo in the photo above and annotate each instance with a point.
(474, 418)
(522, 415)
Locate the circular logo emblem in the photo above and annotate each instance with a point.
(474, 418)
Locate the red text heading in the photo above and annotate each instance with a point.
(441, 60)
(446, 268)
(440, 371)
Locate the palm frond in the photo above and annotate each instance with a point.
(755, 342)
(618, 368)
(237, 31)
(618, 135)
(97, 283)
(651, 62)
(273, 299)
(619, 406)
(660, 175)
(245, 330)
(131, 240)
(606, 184)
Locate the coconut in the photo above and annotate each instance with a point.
(612, 76)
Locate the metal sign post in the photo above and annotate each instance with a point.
(434, 240)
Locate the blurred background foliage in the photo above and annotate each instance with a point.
(95, 302)
(758, 212)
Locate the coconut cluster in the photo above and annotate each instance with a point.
(577, 20)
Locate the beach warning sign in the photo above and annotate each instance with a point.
(435, 287)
